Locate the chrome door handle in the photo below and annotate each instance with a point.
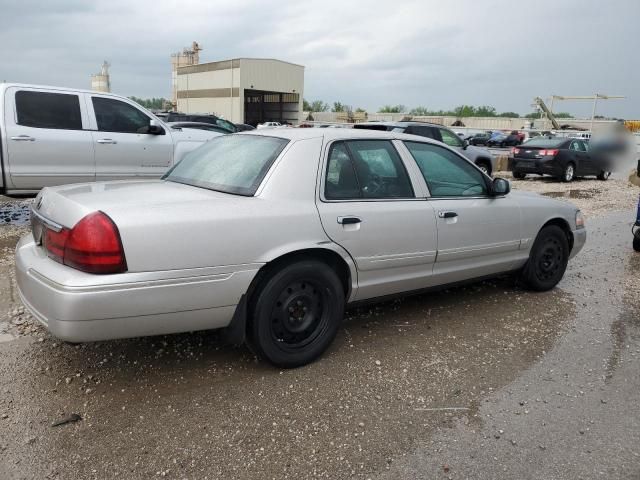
(442, 214)
(348, 220)
(106, 141)
(23, 138)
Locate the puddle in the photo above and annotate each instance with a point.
(15, 213)
(580, 194)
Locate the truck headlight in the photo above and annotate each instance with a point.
(579, 219)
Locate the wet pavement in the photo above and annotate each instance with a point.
(15, 212)
(486, 381)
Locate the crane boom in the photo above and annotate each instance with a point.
(547, 111)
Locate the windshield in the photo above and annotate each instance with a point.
(545, 142)
(230, 164)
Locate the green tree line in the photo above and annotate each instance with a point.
(151, 103)
(460, 111)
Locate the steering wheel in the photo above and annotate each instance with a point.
(374, 185)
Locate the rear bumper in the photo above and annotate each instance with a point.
(80, 307)
(539, 166)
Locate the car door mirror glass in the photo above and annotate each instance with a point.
(501, 186)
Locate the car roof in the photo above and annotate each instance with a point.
(330, 134)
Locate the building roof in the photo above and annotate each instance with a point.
(225, 64)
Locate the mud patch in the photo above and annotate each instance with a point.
(15, 213)
(575, 194)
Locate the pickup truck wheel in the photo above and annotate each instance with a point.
(296, 314)
(547, 261)
(485, 166)
(569, 173)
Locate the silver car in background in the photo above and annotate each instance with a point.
(270, 234)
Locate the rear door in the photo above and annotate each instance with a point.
(47, 140)
(123, 147)
(368, 205)
(478, 234)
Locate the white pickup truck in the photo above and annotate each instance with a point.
(53, 136)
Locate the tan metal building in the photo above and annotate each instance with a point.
(243, 90)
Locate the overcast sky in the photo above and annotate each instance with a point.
(438, 54)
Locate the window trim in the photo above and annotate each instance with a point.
(487, 179)
(78, 95)
(325, 172)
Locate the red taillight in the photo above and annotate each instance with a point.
(515, 151)
(550, 153)
(93, 245)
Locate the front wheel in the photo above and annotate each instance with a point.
(547, 261)
(604, 175)
(485, 167)
(296, 313)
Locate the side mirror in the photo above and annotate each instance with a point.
(155, 128)
(501, 186)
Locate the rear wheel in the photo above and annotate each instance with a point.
(569, 173)
(604, 175)
(547, 261)
(636, 240)
(296, 313)
(519, 175)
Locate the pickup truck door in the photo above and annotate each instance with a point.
(46, 138)
(478, 234)
(123, 148)
(370, 204)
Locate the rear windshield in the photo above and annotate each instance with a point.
(545, 142)
(230, 164)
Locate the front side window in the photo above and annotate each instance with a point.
(48, 110)
(116, 116)
(368, 169)
(446, 174)
(229, 163)
(450, 138)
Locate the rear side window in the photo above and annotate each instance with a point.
(368, 169)
(446, 174)
(48, 110)
(116, 116)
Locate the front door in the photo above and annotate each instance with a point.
(46, 142)
(368, 206)
(478, 234)
(123, 148)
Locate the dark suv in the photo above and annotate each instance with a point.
(480, 156)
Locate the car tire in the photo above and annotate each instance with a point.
(604, 175)
(295, 313)
(636, 240)
(519, 175)
(547, 260)
(569, 173)
(485, 166)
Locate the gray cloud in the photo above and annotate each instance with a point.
(363, 53)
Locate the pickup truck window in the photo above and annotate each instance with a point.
(48, 110)
(116, 116)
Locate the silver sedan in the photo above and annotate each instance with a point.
(270, 234)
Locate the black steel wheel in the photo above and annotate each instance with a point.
(296, 313)
(548, 259)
